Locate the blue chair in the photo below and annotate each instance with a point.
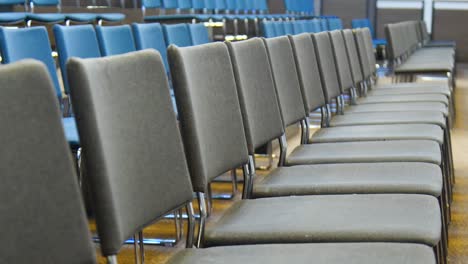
(9, 18)
(75, 41)
(177, 34)
(298, 27)
(288, 28)
(33, 43)
(199, 34)
(110, 17)
(335, 24)
(365, 23)
(115, 40)
(164, 5)
(268, 29)
(45, 17)
(151, 36)
(324, 24)
(315, 24)
(279, 28)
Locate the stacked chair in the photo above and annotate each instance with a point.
(372, 185)
(365, 23)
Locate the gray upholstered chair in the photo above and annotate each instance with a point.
(134, 154)
(43, 218)
(213, 131)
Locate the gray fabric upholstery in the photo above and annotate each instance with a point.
(429, 67)
(43, 218)
(353, 56)
(352, 178)
(134, 155)
(286, 79)
(379, 132)
(326, 253)
(380, 118)
(367, 151)
(329, 218)
(366, 36)
(397, 107)
(307, 68)
(341, 60)
(213, 132)
(404, 98)
(256, 91)
(328, 74)
(366, 67)
(410, 88)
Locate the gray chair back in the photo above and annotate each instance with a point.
(353, 56)
(256, 90)
(308, 71)
(367, 39)
(209, 112)
(328, 72)
(363, 54)
(133, 151)
(341, 60)
(286, 79)
(43, 218)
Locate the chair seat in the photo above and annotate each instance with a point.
(366, 151)
(71, 132)
(351, 178)
(12, 17)
(425, 67)
(325, 253)
(397, 107)
(379, 42)
(381, 118)
(81, 17)
(170, 17)
(329, 218)
(441, 43)
(111, 17)
(47, 17)
(379, 132)
(403, 98)
(410, 88)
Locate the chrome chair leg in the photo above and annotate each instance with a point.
(201, 226)
(191, 225)
(111, 259)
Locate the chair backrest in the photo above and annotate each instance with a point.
(209, 113)
(29, 43)
(279, 28)
(115, 40)
(315, 25)
(44, 2)
(184, 4)
(423, 29)
(151, 3)
(307, 68)
(220, 5)
(362, 52)
(335, 24)
(75, 41)
(353, 56)
(288, 27)
(286, 79)
(324, 24)
(341, 60)
(367, 39)
(11, 2)
(328, 74)
(261, 6)
(363, 23)
(269, 29)
(256, 91)
(169, 4)
(150, 36)
(43, 217)
(199, 34)
(134, 154)
(178, 35)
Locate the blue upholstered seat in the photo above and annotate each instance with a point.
(12, 17)
(268, 29)
(47, 17)
(115, 39)
(199, 34)
(177, 34)
(365, 23)
(75, 41)
(335, 24)
(33, 43)
(288, 28)
(279, 28)
(111, 17)
(81, 17)
(151, 36)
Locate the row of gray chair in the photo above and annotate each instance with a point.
(372, 186)
(411, 52)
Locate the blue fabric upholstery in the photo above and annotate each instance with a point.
(184, 4)
(160, 18)
(298, 27)
(111, 17)
(29, 43)
(12, 17)
(151, 3)
(150, 36)
(33, 43)
(279, 28)
(46, 17)
(335, 24)
(81, 17)
(115, 39)
(268, 29)
(177, 34)
(288, 28)
(324, 25)
(169, 4)
(199, 34)
(45, 2)
(315, 23)
(365, 23)
(75, 41)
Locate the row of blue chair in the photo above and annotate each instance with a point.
(28, 17)
(279, 28)
(85, 42)
(365, 23)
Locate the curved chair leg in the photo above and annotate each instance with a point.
(201, 227)
(111, 259)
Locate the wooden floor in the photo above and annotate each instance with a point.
(458, 247)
